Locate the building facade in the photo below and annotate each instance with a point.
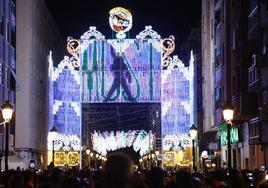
(257, 69)
(239, 66)
(7, 66)
(38, 34)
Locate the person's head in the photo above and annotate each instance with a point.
(45, 185)
(16, 181)
(118, 170)
(184, 179)
(156, 177)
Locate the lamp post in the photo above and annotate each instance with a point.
(88, 157)
(53, 133)
(157, 154)
(193, 133)
(228, 114)
(7, 111)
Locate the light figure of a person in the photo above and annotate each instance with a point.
(121, 74)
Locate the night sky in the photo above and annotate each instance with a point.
(166, 17)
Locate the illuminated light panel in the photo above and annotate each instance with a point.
(233, 136)
(141, 141)
(77, 107)
(65, 63)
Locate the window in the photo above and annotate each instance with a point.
(12, 80)
(234, 38)
(8, 32)
(264, 43)
(2, 25)
(252, 71)
(253, 5)
(253, 16)
(13, 37)
(217, 57)
(265, 97)
(254, 128)
(212, 28)
(217, 17)
(218, 93)
(1, 73)
(14, 2)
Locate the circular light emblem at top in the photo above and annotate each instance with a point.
(120, 20)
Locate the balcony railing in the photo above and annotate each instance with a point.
(253, 19)
(252, 75)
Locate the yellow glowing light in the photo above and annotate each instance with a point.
(168, 46)
(73, 47)
(73, 158)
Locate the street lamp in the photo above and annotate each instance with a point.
(193, 133)
(228, 114)
(7, 111)
(53, 133)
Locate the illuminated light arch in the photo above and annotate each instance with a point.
(174, 71)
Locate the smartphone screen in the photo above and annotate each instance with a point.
(31, 165)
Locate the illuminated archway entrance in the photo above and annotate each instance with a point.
(105, 72)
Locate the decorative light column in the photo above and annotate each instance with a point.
(228, 114)
(193, 133)
(7, 111)
(53, 133)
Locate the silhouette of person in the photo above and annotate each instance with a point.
(121, 73)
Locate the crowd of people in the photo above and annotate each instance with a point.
(119, 173)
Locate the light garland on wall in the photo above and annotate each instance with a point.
(141, 141)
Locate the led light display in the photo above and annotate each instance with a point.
(111, 75)
(140, 140)
(233, 136)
